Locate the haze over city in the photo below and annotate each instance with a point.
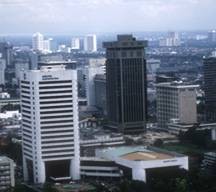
(88, 16)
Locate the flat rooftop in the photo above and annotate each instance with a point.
(146, 156)
(139, 153)
(4, 159)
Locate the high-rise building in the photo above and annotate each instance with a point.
(7, 179)
(38, 42)
(209, 69)
(75, 43)
(95, 66)
(176, 101)
(47, 45)
(2, 71)
(90, 43)
(49, 105)
(100, 92)
(126, 84)
(6, 52)
(20, 65)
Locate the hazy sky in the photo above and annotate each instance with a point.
(88, 16)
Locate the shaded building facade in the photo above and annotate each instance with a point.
(209, 88)
(126, 84)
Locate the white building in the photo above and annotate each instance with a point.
(139, 159)
(176, 101)
(172, 40)
(47, 45)
(95, 66)
(90, 43)
(4, 95)
(38, 42)
(7, 179)
(75, 43)
(49, 105)
(2, 71)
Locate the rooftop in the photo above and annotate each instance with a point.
(146, 156)
(139, 153)
(4, 159)
(177, 85)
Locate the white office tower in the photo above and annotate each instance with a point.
(47, 45)
(38, 42)
(176, 101)
(49, 105)
(2, 71)
(90, 43)
(75, 43)
(95, 66)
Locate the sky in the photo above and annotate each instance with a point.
(99, 16)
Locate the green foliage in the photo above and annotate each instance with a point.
(21, 188)
(12, 150)
(193, 136)
(181, 185)
(132, 186)
(48, 187)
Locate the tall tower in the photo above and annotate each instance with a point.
(38, 42)
(49, 105)
(209, 87)
(2, 71)
(90, 43)
(126, 84)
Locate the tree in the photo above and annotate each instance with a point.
(48, 187)
(181, 185)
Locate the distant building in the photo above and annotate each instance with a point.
(7, 173)
(38, 42)
(47, 45)
(6, 50)
(2, 71)
(172, 40)
(95, 66)
(20, 66)
(212, 36)
(90, 43)
(165, 78)
(67, 64)
(49, 106)
(153, 65)
(209, 69)
(100, 93)
(75, 43)
(33, 57)
(176, 101)
(126, 84)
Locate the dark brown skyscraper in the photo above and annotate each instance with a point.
(210, 88)
(126, 84)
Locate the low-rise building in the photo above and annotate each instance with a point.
(7, 178)
(134, 162)
(209, 162)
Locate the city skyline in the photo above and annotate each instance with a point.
(22, 16)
